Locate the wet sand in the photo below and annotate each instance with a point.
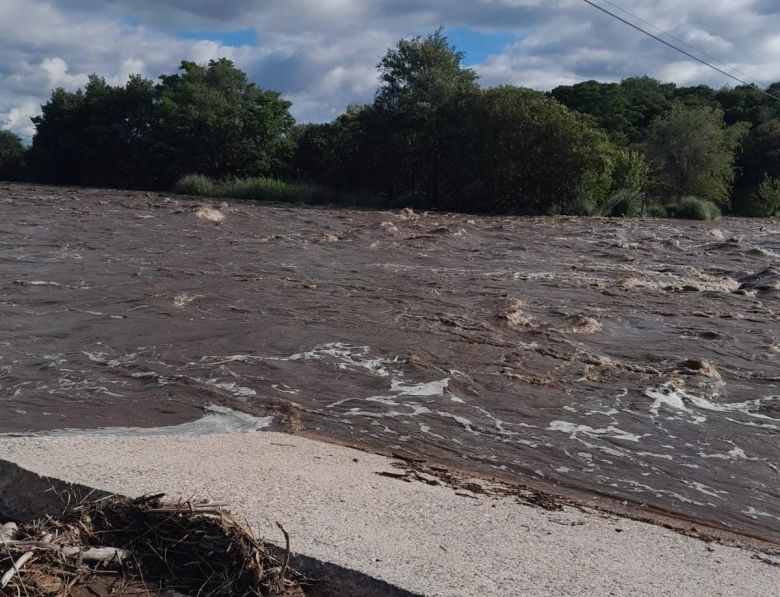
(636, 360)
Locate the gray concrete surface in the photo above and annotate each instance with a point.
(423, 538)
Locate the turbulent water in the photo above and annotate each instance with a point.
(634, 359)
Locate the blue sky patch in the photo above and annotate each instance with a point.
(245, 37)
(478, 45)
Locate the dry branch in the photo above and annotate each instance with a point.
(192, 548)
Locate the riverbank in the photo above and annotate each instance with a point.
(356, 510)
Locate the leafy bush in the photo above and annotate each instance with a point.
(195, 184)
(631, 171)
(11, 155)
(693, 208)
(655, 210)
(623, 202)
(693, 152)
(766, 198)
(530, 155)
(268, 189)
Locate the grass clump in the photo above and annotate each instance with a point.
(655, 210)
(195, 184)
(269, 189)
(260, 188)
(623, 203)
(693, 208)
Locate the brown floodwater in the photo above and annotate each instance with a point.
(633, 359)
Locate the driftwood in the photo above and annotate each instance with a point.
(21, 561)
(144, 544)
(8, 532)
(96, 554)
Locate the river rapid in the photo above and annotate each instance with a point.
(638, 360)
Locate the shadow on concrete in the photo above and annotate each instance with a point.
(25, 496)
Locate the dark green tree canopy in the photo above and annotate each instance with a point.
(693, 153)
(11, 155)
(424, 72)
(206, 119)
(431, 138)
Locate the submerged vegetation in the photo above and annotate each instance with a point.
(432, 138)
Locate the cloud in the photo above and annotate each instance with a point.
(322, 53)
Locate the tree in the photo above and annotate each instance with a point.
(99, 135)
(11, 155)
(213, 121)
(205, 119)
(746, 103)
(647, 99)
(758, 163)
(530, 154)
(699, 95)
(423, 87)
(692, 152)
(606, 102)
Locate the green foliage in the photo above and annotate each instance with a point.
(206, 119)
(692, 153)
(11, 156)
(518, 151)
(606, 102)
(656, 210)
(623, 202)
(260, 188)
(631, 171)
(409, 129)
(215, 122)
(746, 103)
(270, 189)
(693, 208)
(195, 184)
(759, 160)
(765, 201)
(625, 110)
(431, 138)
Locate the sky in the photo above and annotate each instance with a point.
(322, 54)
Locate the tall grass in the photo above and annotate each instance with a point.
(693, 208)
(267, 189)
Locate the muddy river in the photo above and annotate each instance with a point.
(638, 360)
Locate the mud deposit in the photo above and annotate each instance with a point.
(637, 360)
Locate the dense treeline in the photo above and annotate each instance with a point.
(206, 119)
(432, 137)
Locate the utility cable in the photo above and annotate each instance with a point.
(682, 51)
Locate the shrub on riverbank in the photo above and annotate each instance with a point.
(268, 189)
(693, 208)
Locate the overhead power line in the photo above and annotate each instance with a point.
(679, 49)
(731, 67)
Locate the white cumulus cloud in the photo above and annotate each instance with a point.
(322, 54)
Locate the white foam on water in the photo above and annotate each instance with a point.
(430, 388)
(217, 419)
(466, 423)
(39, 283)
(753, 513)
(232, 387)
(284, 388)
(705, 489)
(573, 430)
(346, 356)
(673, 398)
(735, 453)
(678, 399)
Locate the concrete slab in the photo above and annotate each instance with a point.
(420, 537)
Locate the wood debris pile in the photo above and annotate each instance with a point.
(144, 546)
